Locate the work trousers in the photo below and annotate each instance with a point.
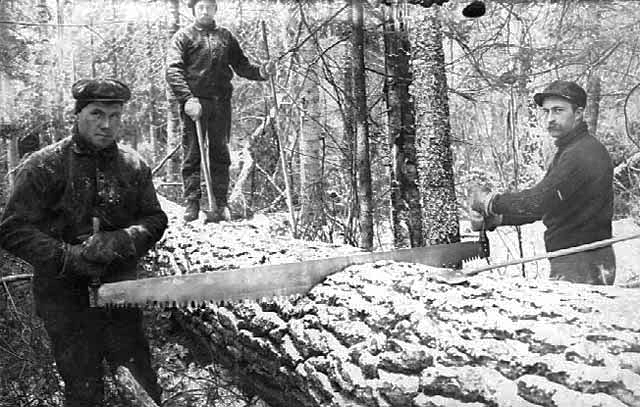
(216, 125)
(596, 267)
(82, 337)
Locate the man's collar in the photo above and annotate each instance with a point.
(209, 27)
(83, 147)
(580, 130)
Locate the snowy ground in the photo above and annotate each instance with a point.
(504, 246)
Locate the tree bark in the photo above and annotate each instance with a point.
(349, 137)
(594, 95)
(312, 217)
(406, 212)
(388, 334)
(433, 142)
(174, 130)
(365, 194)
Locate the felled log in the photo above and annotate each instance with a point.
(387, 335)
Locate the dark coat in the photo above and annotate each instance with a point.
(575, 197)
(575, 202)
(56, 193)
(199, 61)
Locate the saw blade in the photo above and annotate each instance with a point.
(267, 281)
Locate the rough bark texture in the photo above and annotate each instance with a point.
(433, 134)
(594, 95)
(365, 194)
(406, 211)
(379, 335)
(386, 335)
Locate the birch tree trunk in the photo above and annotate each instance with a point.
(433, 130)
(362, 128)
(311, 158)
(406, 213)
(174, 131)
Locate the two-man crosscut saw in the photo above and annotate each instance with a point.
(289, 279)
(276, 280)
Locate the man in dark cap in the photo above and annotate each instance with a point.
(575, 197)
(199, 62)
(61, 193)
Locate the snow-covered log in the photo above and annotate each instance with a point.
(387, 335)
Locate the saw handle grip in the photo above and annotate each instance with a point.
(484, 243)
(94, 284)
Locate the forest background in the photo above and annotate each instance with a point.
(477, 124)
(379, 152)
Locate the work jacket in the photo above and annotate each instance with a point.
(199, 60)
(59, 190)
(575, 197)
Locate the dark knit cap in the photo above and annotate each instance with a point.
(564, 89)
(87, 91)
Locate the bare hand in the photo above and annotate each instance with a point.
(193, 108)
(481, 200)
(268, 69)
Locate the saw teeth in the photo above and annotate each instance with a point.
(474, 263)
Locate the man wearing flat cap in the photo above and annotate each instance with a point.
(199, 62)
(574, 200)
(61, 193)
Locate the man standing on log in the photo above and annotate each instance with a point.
(82, 209)
(575, 197)
(199, 62)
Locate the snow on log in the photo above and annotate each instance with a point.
(386, 334)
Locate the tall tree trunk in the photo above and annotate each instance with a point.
(311, 158)
(362, 129)
(435, 159)
(152, 112)
(594, 95)
(349, 137)
(12, 139)
(174, 131)
(406, 213)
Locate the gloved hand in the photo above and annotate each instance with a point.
(481, 200)
(268, 69)
(106, 247)
(76, 265)
(193, 108)
(479, 222)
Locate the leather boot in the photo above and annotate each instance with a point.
(192, 210)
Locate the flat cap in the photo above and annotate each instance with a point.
(100, 90)
(564, 89)
(192, 3)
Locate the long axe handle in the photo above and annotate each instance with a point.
(557, 253)
(204, 159)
